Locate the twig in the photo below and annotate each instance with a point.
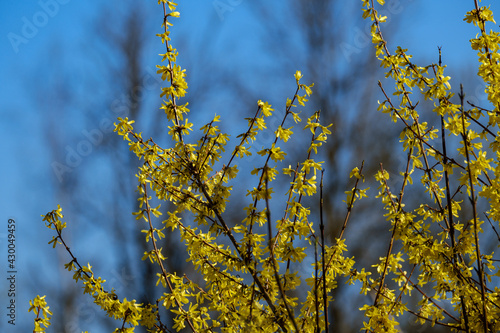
(473, 202)
(322, 228)
(273, 258)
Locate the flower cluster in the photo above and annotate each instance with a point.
(439, 245)
(247, 279)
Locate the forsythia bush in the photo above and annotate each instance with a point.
(248, 286)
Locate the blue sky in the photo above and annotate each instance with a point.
(25, 170)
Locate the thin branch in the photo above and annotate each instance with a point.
(473, 202)
(322, 228)
(158, 259)
(351, 203)
(273, 258)
(391, 243)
